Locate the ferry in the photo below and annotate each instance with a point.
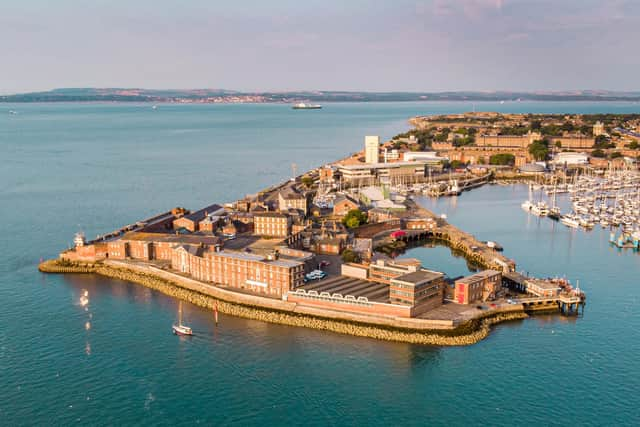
(179, 328)
(303, 106)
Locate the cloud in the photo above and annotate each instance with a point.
(469, 9)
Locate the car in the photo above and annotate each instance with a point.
(324, 263)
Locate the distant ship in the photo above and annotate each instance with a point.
(303, 106)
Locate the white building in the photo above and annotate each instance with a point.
(598, 129)
(391, 155)
(570, 158)
(410, 156)
(371, 147)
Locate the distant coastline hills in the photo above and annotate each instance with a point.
(230, 96)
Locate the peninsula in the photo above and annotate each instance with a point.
(320, 249)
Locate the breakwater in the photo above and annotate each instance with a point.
(469, 332)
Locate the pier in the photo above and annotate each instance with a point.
(547, 294)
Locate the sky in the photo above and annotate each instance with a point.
(399, 45)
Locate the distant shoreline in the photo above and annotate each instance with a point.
(221, 96)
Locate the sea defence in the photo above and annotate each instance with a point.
(416, 331)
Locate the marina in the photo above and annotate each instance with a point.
(610, 200)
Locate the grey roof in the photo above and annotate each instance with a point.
(258, 258)
(200, 214)
(270, 214)
(478, 276)
(184, 239)
(419, 276)
(291, 194)
(343, 198)
(193, 250)
(532, 167)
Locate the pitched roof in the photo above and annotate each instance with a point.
(343, 198)
(200, 214)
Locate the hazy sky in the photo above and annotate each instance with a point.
(430, 45)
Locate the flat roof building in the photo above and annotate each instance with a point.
(482, 286)
(384, 172)
(371, 149)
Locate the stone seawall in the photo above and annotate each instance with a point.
(465, 334)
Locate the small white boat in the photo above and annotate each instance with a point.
(569, 221)
(526, 205)
(179, 328)
(540, 209)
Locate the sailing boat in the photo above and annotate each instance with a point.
(554, 211)
(528, 204)
(180, 329)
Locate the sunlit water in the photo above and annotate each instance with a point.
(110, 358)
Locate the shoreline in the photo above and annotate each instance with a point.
(466, 333)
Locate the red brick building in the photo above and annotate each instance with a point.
(329, 246)
(192, 220)
(273, 224)
(482, 286)
(423, 290)
(271, 276)
(343, 204)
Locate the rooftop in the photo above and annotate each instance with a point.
(258, 258)
(270, 214)
(382, 165)
(419, 276)
(478, 276)
(172, 238)
(200, 214)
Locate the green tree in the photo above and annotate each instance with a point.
(354, 218)
(502, 159)
(455, 164)
(615, 155)
(536, 125)
(602, 142)
(349, 255)
(598, 153)
(633, 145)
(567, 126)
(307, 181)
(539, 149)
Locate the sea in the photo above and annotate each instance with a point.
(111, 359)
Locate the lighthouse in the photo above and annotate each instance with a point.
(79, 239)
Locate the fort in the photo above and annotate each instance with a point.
(304, 253)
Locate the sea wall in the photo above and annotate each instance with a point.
(284, 313)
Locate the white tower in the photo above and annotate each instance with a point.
(598, 128)
(79, 239)
(371, 147)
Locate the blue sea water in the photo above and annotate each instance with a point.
(94, 167)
